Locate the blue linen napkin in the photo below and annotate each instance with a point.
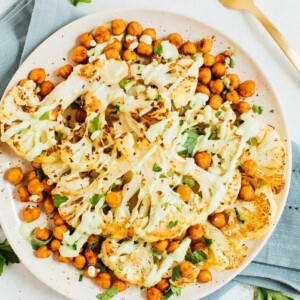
(29, 22)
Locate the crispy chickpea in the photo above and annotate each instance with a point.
(14, 175)
(204, 276)
(112, 51)
(58, 220)
(38, 75)
(104, 280)
(154, 294)
(22, 82)
(65, 71)
(114, 199)
(228, 53)
(188, 48)
(175, 39)
(43, 234)
(234, 81)
(215, 101)
(185, 192)
(157, 42)
(196, 232)
(161, 245)
(208, 60)
(203, 160)
(91, 257)
(120, 285)
(102, 34)
(79, 54)
(199, 246)
(79, 261)
(85, 39)
(31, 175)
(59, 231)
(47, 188)
(30, 214)
(129, 55)
(233, 97)
(35, 186)
(55, 245)
(201, 88)
(64, 259)
(247, 88)
(221, 58)
(186, 268)
(80, 115)
(23, 194)
(172, 247)
(118, 26)
(249, 167)
(36, 165)
(243, 107)
(150, 32)
(42, 252)
(247, 193)
(93, 241)
(144, 49)
(218, 219)
(134, 28)
(245, 181)
(218, 69)
(204, 75)
(46, 88)
(49, 205)
(205, 45)
(163, 285)
(216, 86)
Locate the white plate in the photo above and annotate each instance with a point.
(53, 53)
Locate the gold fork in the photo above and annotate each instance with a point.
(249, 6)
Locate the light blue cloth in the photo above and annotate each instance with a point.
(277, 266)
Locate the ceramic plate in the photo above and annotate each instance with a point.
(55, 52)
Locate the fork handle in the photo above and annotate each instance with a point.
(277, 36)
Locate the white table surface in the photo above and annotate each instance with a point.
(17, 282)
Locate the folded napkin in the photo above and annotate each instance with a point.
(30, 22)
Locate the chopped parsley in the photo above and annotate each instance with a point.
(241, 220)
(248, 142)
(176, 273)
(213, 135)
(108, 294)
(173, 290)
(158, 97)
(7, 255)
(231, 62)
(95, 198)
(159, 49)
(94, 125)
(24, 129)
(75, 2)
(189, 181)
(120, 265)
(196, 257)
(123, 83)
(172, 224)
(80, 277)
(45, 116)
(74, 247)
(181, 122)
(116, 111)
(40, 174)
(170, 173)
(257, 109)
(156, 253)
(162, 176)
(208, 242)
(218, 113)
(59, 200)
(156, 168)
(191, 141)
(271, 111)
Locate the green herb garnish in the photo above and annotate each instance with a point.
(189, 181)
(80, 277)
(191, 141)
(176, 273)
(159, 49)
(248, 142)
(162, 176)
(196, 257)
(231, 62)
(218, 113)
(95, 198)
(156, 168)
(241, 220)
(208, 242)
(7, 255)
(120, 265)
(257, 109)
(75, 2)
(158, 97)
(108, 294)
(156, 253)
(44, 116)
(213, 135)
(75, 105)
(116, 111)
(172, 224)
(173, 290)
(94, 125)
(59, 200)
(40, 174)
(123, 83)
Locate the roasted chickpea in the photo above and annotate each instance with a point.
(201, 88)
(49, 205)
(203, 160)
(23, 194)
(245, 181)
(196, 232)
(175, 39)
(204, 75)
(30, 214)
(104, 280)
(47, 187)
(91, 257)
(112, 51)
(188, 48)
(129, 55)
(228, 53)
(14, 175)
(93, 241)
(43, 234)
(114, 199)
(36, 165)
(172, 247)
(31, 175)
(243, 107)
(247, 88)
(58, 231)
(58, 220)
(134, 28)
(118, 26)
(199, 246)
(247, 193)
(163, 285)
(64, 259)
(157, 42)
(120, 285)
(208, 60)
(218, 219)
(102, 34)
(79, 54)
(46, 88)
(55, 245)
(221, 58)
(215, 101)
(186, 268)
(144, 49)
(79, 261)
(249, 167)
(42, 252)
(218, 70)
(38, 75)
(35, 186)
(161, 245)
(216, 86)
(233, 97)
(22, 82)
(85, 39)
(154, 294)
(185, 192)
(65, 71)
(234, 81)
(205, 45)
(204, 276)
(151, 32)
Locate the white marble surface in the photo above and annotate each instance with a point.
(17, 282)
